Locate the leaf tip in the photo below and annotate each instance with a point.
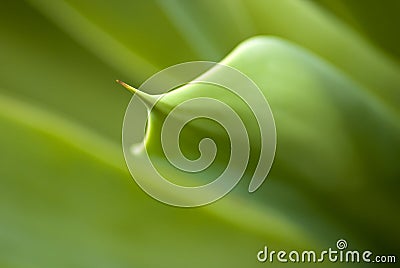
(128, 87)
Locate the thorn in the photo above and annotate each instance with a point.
(147, 99)
(128, 87)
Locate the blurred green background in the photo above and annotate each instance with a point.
(66, 196)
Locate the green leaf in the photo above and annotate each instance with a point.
(67, 199)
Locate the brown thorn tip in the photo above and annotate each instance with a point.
(125, 85)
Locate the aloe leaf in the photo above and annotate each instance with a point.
(67, 199)
(318, 103)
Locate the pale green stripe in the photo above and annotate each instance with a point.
(189, 29)
(96, 40)
(62, 129)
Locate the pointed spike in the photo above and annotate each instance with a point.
(147, 99)
(128, 87)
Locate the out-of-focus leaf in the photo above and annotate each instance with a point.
(299, 21)
(90, 213)
(40, 64)
(375, 20)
